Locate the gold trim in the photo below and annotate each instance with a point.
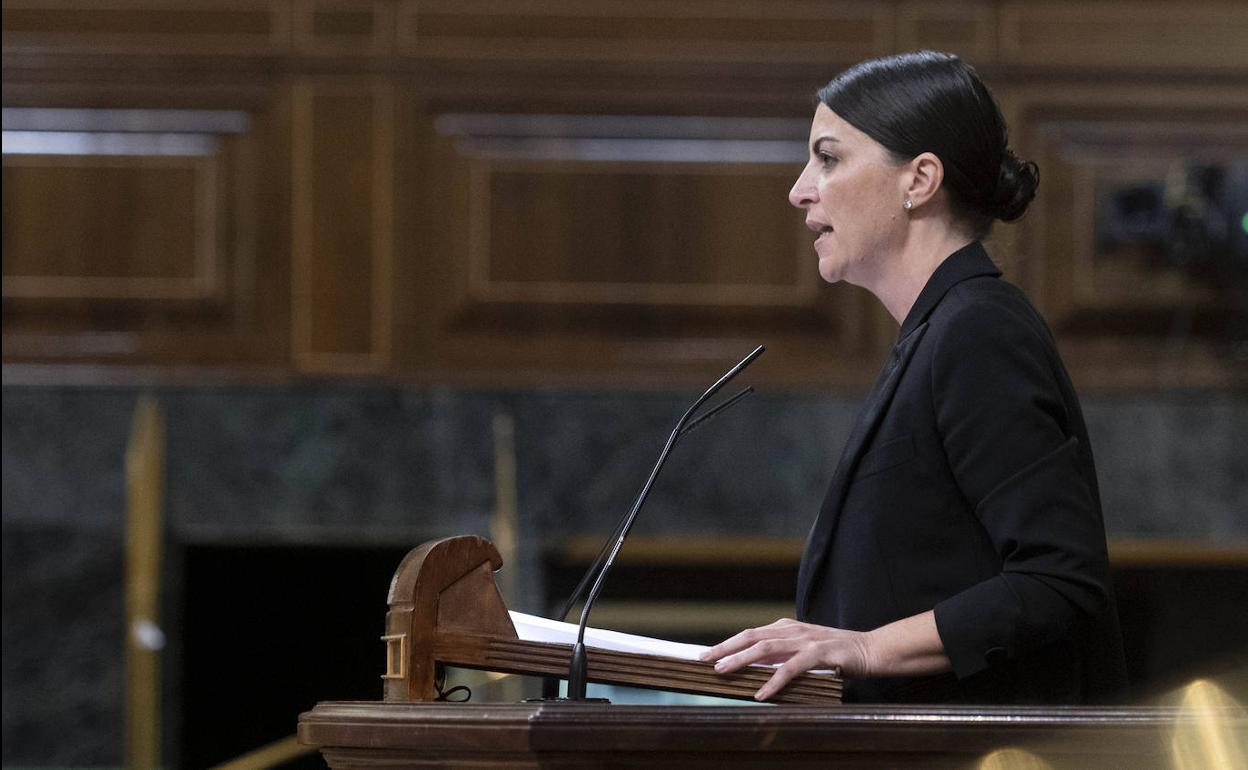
(270, 755)
(759, 551)
(1179, 553)
(145, 471)
(392, 657)
(301, 203)
(504, 524)
(383, 141)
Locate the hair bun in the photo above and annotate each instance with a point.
(1016, 186)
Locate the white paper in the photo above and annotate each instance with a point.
(531, 628)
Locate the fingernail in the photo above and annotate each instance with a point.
(720, 666)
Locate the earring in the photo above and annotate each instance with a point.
(907, 205)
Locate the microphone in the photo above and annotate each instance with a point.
(578, 593)
(550, 685)
(578, 666)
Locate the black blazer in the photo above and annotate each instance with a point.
(967, 486)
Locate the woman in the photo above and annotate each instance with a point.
(959, 555)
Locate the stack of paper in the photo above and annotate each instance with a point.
(531, 628)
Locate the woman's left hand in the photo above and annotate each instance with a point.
(797, 647)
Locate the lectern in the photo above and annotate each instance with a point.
(446, 609)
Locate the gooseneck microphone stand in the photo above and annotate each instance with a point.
(550, 684)
(578, 667)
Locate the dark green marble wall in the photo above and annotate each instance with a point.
(380, 466)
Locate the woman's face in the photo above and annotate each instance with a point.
(852, 193)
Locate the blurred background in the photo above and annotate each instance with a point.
(292, 286)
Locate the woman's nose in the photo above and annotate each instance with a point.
(803, 192)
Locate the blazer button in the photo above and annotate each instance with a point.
(996, 656)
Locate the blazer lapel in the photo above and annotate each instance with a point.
(819, 540)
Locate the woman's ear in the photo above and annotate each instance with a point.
(926, 173)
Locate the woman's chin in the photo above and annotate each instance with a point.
(830, 270)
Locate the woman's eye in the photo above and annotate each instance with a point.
(826, 160)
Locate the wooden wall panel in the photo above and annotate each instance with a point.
(342, 238)
(436, 190)
(968, 28)
(96, 212)
(644, 30)
(68, 244)
(1127, 312)
(647, 235)
(571, 239)
(140, 232)
(345, 27)
(146, 27)
(1148, 35)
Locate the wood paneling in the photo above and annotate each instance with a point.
(656, 235)
(342, 237)
(968, 28)
(1148, 35)
(1125, 313)
(345, 27)
(574, 191)
(1136, 35)
(107, 213)
(228, 27)
(591, 238)
(69, 245)
(619, 30)
(142, 232)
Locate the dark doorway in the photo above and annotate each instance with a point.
(266, 632)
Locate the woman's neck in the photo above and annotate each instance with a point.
(898, 283)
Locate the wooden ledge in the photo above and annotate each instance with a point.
(740, 550)
(355, 734)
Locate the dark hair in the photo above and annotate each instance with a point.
(934, 102)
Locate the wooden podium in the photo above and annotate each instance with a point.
(446, 609)
(391, 735)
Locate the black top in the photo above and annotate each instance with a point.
(968, 486)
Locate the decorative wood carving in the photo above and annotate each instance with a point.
(442, 585)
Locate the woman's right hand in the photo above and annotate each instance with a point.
(797, 648)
